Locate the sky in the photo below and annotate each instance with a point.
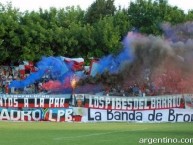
(45, 4)
(30, 5)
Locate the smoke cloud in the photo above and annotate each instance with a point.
(53, 66)
(164, 62)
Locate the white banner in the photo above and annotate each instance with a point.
(94, 108)
(164, 115)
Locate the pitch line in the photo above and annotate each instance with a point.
(93, 134)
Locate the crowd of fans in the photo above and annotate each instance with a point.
(164, 84)
(8, 74)
(138, 90)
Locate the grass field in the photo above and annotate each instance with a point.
(51, 133)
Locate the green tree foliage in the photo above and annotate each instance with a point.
(147, 16)
(73, 32)
(106, 36)
(35, 36)
(9, 32)
(189, 16)
(100, 9)
(121, 20)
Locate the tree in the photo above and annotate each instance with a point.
(174, 15)
(73, 32)
(100, 9)
(70, 23)
(106, 36)
(9, 33)
(147, 16)
(35, 36)
(189, 16)
(121, 20)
